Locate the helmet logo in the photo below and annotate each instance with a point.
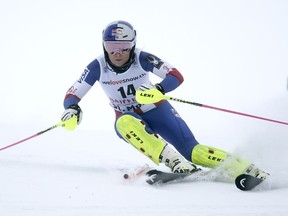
(118, 33)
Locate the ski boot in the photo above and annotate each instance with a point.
(176, 162)
(256, 172)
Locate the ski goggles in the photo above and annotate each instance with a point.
(113, 47)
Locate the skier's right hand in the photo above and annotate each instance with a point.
(72, 110)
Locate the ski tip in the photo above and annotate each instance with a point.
(150, 181)
(152, 172)
(152, 176)
(246, 182)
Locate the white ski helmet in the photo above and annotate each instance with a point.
(119, 31)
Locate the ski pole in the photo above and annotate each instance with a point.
(69, 124)
(153, 96)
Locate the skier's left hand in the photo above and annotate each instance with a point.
(148, 86)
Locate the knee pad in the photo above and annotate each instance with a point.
(132, 129)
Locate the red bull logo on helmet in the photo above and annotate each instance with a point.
(117, 33)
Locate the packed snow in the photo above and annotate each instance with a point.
(232, 54)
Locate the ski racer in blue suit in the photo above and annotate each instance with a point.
(151, 128)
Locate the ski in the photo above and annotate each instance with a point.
(243, 182)
(160, 177)
(246, 182)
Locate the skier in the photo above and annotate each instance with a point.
(150, 128)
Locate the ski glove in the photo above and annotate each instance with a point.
(72, 110)
(145, 87)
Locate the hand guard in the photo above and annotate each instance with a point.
(72, 110)
(145, 87)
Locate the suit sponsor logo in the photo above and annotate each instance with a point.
(122, 81)
(155, 61)
(84, 75)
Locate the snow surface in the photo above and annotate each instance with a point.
(81, 173)
(233, 55)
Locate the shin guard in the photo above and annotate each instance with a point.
(133, 131)
(213, 157)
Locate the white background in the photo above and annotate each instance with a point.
(232, 54)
